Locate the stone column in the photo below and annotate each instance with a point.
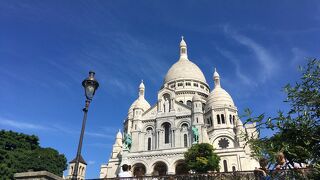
(172, 105)
(172, 138)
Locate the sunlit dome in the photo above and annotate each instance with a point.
(184, 68)
(218, 96)
(141, 102)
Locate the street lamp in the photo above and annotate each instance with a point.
(90, 85)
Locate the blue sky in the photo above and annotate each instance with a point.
(48, 47)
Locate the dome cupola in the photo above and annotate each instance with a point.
(141, 102)
(218, 96)
(184, 68)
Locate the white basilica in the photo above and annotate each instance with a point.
(155, 137)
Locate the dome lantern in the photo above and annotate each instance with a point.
(216, 78)
(184, 68)
(141, 89)
(183, 50)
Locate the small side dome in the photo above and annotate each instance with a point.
(141, 102)
(196, 97)
(218, 96)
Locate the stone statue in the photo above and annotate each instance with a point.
(166, 105)
(127, 141)
(196, 134)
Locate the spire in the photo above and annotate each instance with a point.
(141, 89)
(216, 78)
(183, 49)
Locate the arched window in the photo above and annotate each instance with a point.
(197, 120)
(225, 166)
(185, 139)
(149, 144)
(218, 119)
(222, 119)
(181, 102)
(184, 127)
(233, 168)
(233, 120)
(167, 128)
(230, 119)
(189, 103)
(211, 123)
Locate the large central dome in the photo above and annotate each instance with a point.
(184, 68)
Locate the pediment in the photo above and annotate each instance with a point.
(181, 108)
(151, 112)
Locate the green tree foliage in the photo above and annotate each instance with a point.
(20, 153)
(297, 132)
(201, 158)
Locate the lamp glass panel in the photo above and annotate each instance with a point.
(89, 90)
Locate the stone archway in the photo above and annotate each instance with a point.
(139, 169)
(181, 167)
(160, 168)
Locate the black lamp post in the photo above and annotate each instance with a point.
(90, 85)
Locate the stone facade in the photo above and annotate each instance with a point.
(81, 169)
(186, 113)
(37, 175)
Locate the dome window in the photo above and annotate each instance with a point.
(230, 118)
(202, 87)
(188, 83)
(195, 85)
(180, 84)
(218, 119)
(222, 119)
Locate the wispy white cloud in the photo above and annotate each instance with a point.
(230, 56)
(100, 135)
(21, 125)
(265, 58)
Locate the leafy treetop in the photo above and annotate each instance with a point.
(20, 153)
(201, 158)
